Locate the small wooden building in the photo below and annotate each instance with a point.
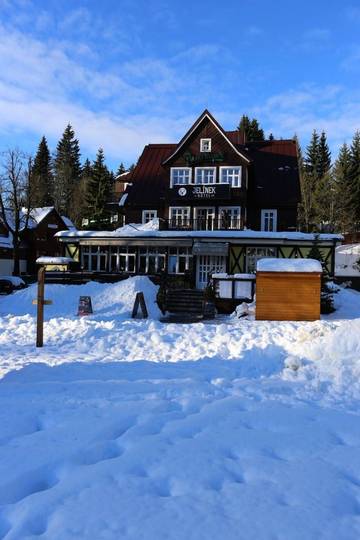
(288, 290)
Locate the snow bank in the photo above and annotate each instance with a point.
(108, 300)
(346, 258)
(15, 280)
(288, 265)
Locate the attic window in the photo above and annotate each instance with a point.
(205, 145)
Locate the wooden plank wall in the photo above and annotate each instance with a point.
(287, 296)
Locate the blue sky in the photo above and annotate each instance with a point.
(127, 73)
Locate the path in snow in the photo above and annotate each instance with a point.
(255, 436)
(153, 451)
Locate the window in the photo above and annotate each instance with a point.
(204, 218)
(148, 215)
(179, 260)
(268, 220)
(95, 258)
(122, 259)
(180, 176)
(205, 175)
(151, 260)
(253, 254)
(231, 175)
(205, 145)
(230, 217)
(179, 216)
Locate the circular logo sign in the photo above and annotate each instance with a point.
(182, 192)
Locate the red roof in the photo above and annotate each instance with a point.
(150, 178)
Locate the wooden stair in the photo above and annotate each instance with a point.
(185, 301)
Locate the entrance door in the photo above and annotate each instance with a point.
(207, 265)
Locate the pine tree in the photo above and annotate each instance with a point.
(344, 209)
(311, 160)
(251, 129)
(120, 170)
(79, 204)
(98, 193)
(41, 177)
(324, 156)
(317, 184)
(67, 172)
(355, 177)
(326, 294)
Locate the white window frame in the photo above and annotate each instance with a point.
(157, 253)
(260, 252)
(204, 169)
(189, 169)
(264, 217)
(225, 209)
(187, 256)
(122, 251)
(144, 217)
(210, 218)
(205, 141)
(229, 167)
(100, 252)
(187, 209)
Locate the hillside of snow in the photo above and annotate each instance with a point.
(134, 429)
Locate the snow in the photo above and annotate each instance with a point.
(68, 223)
(123, 199)
(134, 429)
(54, 260)
(288, 265)
(346, 258)
(15, 280)
(138, 230)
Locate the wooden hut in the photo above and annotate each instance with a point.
(288, 289)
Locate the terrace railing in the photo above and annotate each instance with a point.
(202, 224)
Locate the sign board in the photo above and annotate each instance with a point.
(201, 191)
(85, 306)
(139, 302)
(204, 157)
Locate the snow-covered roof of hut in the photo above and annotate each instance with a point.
(288, 265)
(54, 260)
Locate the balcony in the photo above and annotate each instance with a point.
(209, 223)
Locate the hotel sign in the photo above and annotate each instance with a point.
(203, 191)
(204, 157)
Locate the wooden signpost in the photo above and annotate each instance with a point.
(40, 302)
(139, 301)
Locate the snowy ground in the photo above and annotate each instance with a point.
(236, 429)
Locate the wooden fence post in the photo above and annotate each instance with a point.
(40, 303)
(40, 308)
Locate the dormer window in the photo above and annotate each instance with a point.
(205, 145)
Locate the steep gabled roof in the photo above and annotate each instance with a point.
(149, 179)
(209, 116)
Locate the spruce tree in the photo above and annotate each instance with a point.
(98, 193)
(324, 156)
(120, 170)
(251, 129)
(41, 177)
(311, 160)
(344, 208)
(326, 294)
(355, 177)
(67, 172)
